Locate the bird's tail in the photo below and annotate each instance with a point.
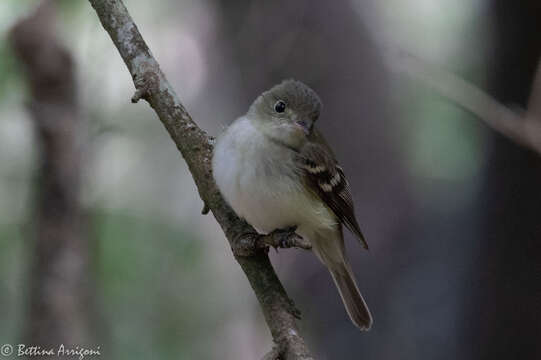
(330, 250)
(351, 296)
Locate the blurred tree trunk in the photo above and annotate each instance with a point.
(505, 314)
(60, 286)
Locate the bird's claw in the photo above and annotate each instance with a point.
(285, 238)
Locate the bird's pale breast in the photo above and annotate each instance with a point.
(260, 182)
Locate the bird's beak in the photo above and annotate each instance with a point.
(304, 126)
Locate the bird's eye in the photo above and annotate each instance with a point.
(280, 106)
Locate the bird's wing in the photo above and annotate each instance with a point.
(326, 178)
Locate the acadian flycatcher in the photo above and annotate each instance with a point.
(276, 171)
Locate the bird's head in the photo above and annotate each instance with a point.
(286, 113)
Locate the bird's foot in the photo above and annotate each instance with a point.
(249, 243)
(284, 238)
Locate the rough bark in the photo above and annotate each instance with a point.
(59, 285)
(196, 148)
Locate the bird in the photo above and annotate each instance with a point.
(276, 171)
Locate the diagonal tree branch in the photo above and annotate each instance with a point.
(523, 129)
(196, 148)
